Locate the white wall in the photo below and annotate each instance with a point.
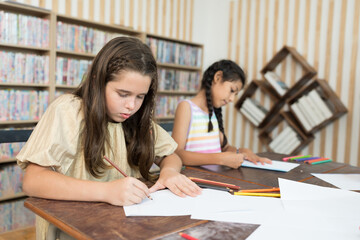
(211, 28)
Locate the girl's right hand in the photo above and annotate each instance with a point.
(232, 159)
(125, 191)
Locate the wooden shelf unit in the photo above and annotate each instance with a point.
(330, 98)
(309, 71)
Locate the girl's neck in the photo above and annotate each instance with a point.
(200, 100)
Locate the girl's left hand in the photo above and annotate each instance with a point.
(252, 157)
(177, 183)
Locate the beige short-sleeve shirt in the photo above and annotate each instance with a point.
(55, 143)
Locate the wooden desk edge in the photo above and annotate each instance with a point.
(64, 227)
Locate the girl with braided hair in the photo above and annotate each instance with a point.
(110, 114)
(198, 126)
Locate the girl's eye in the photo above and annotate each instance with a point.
(141, 97)
(123, 95)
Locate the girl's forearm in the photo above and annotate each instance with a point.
(196, 159)
(45, 183)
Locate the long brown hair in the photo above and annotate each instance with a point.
(119, 54)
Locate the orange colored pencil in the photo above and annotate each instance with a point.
(260, 190)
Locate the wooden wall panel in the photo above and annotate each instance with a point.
(170, 18)
(326, 33)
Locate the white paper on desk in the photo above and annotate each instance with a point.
(274, 166)
(297, 232)
(293, 190)
(300, 197)
(343, 181)
(165, 203)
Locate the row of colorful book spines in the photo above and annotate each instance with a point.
(11, 177)
(70, 71)
(166, 105)
(14, 216)
(23, 68)
(10, 150)
(178, 86)
(23, 29)
(188, 57)
(177, 53)
(22, 104)
(184, 83)
(81, 39)
(178, 75)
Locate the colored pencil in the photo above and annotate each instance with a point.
(325, 161)
(306, 159)
(317, 160)
(260, 190)
(121, 171)
(186, 236)
(287, 158)
(203, 185)
(295, 158)
(199, 180)
(257, 194)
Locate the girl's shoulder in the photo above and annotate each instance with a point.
(66, 102)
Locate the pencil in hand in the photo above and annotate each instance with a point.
(121, 171)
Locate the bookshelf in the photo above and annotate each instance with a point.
(64, 59)
(179, 69)
(311, 103)
(330, 102)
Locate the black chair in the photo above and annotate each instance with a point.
(9, 136)
(168, 126)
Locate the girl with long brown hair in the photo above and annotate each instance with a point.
(110, 114)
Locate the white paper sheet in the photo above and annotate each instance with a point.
(274, 166)
(343, 181)
(165, 203)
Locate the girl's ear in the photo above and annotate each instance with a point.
(218, 77)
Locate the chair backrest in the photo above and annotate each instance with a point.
(168, 126)
(8, 136)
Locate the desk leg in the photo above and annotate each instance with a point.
(53, 232)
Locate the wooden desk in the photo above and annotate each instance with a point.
(86, 220)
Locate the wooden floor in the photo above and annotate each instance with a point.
(24, 234)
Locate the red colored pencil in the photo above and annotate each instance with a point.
(199, 180)
(117, 168)
(186, 236)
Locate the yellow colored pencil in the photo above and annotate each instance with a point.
(258, 194)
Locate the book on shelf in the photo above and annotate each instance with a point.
(313, 108)
(304, 105)
(296, 109)
(249, 116)
(320, 103)
(276, 82)
(277, 142)
(255, 108)
(289, 145)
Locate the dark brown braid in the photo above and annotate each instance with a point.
(231, 72)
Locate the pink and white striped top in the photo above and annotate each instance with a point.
(199, 139)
